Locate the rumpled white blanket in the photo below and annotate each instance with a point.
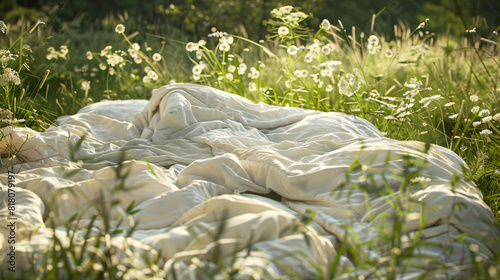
(263, 190)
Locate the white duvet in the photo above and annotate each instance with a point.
(267, 191)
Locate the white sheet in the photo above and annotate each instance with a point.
(196, 157)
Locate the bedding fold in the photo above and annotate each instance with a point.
(219, 182)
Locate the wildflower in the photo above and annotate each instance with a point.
(120, 28)
(373, 40)
(286, 9)
(496, 117)
(242, 68)
(89, 55)
(138, 60)
(12, 76)
(254, 74)
(102, 66)
(325, 50)
(217, 34)
(13, 121)
(191, 47)
(486, 119)
(252, 86)
(5, 114)
(228, 40)
(229, 76)
(156, 57)
(414, 83)
(287, 15)
(388, 53)
(115, 59)
(449, 104)
(308, 58)
(231, 68)
(414, 86)
(298, 73)
(292, 50)
(136, 46)
(325, 73)
(403, 108)
(5, 57)
(422, 24)
(276, 13)
(146, 79)
(283, 31)
(325, 24)
(279, 13)
(85, 85)
(485, 132)
(316, 78)
(389, 117)
(63, 50)
(474, 98)
(403, 114)
(147, 69)
(373, 46)
(133, 53)
(329, 88)
(473, 30)
(52, 53)
(348, 84)
(429, 99)
(224, 47)
(475, 109)
(453, 116)
(106, 51)
(197, 69)
(474, 124)
(111, 71)
(484, 113)
(9, 76)
(153, 75)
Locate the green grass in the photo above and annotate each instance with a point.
(412, 85)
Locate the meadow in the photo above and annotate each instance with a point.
(412, 84)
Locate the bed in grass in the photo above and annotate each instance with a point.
(199, 183)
